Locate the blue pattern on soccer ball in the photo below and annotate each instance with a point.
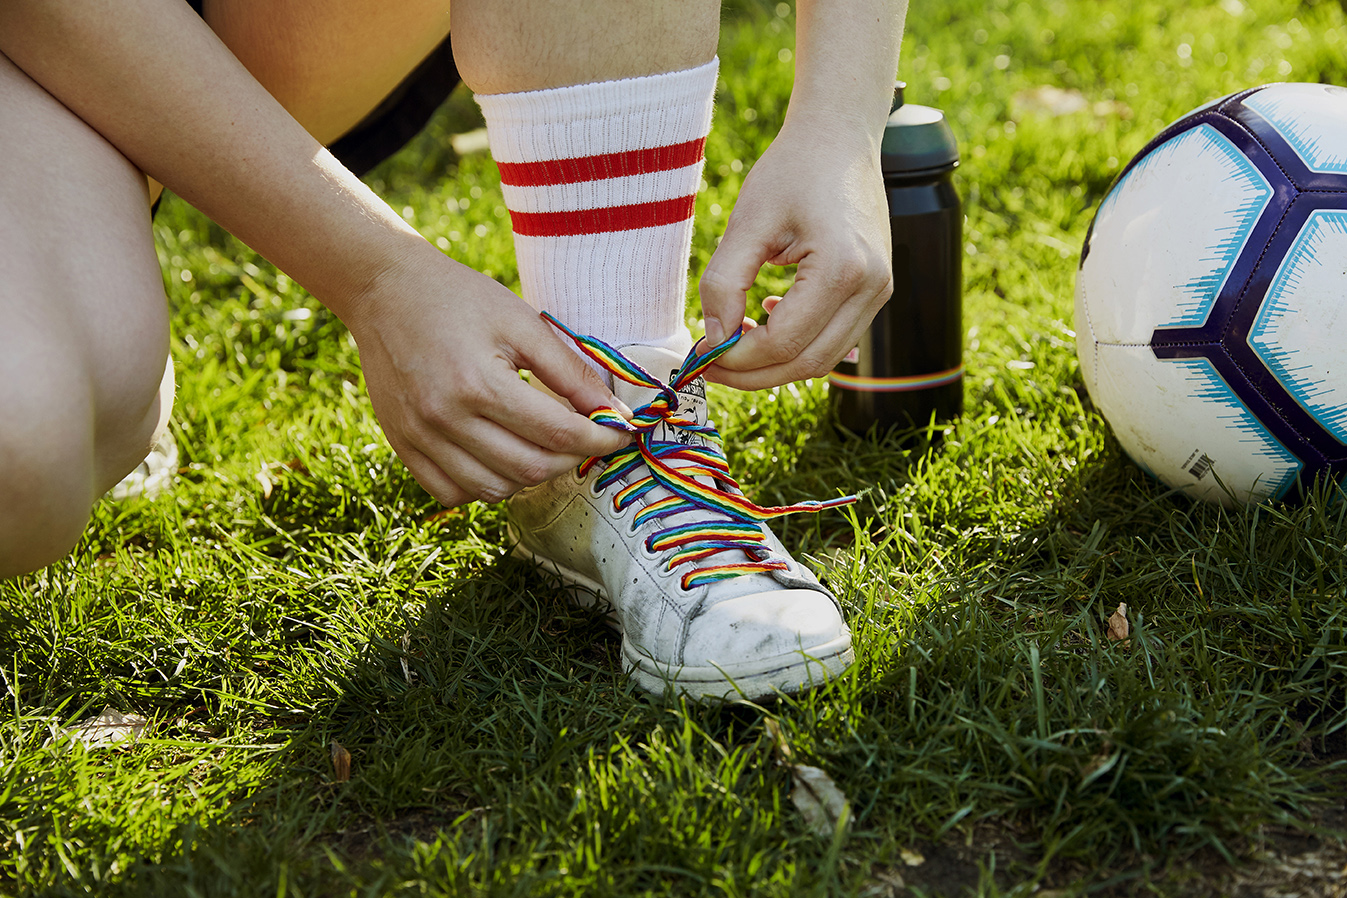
(1212, 297)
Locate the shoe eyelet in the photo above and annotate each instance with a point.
(594, 491)
(661, 570)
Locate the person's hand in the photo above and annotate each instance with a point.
(442, 347)
(816, 198)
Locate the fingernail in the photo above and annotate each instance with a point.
(622, 409)
(715, 334)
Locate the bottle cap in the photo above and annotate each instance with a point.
(917, 139)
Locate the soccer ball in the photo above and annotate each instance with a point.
(1211, 301)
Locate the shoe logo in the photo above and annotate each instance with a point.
(692, 404)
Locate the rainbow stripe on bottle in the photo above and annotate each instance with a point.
(862, 384)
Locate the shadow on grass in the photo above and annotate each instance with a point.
(1020, 731)
(493, 742)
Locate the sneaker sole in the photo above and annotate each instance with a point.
(789, 673)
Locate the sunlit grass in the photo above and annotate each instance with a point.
(298, 588)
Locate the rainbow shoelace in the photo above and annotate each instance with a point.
(675, 466)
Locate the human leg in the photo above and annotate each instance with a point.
(329, 62)
(598, 135)
(597, 119)
(83, 323)
(505, 48)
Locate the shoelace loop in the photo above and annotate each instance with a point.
(688, 543)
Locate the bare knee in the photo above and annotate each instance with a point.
(58, 455)
(46, 485)
(83, 323)
(122, 440)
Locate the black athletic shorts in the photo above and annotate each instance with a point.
(401, 115)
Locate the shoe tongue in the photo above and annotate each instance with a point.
(664, 365)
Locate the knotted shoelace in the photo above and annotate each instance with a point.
(736, 522)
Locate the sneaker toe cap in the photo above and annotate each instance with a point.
(754, 628)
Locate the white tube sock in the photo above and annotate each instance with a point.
(600, 180)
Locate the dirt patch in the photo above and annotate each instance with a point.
(1279, 862)
(367, 838)
(1294, 863)
(956, 866)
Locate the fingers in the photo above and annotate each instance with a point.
(798, 359)
(522, 438)
(435, 481)
(517, 437)
(563, 372)
(545, 422)
(724, 286)
(843, 277)
(835, 296)
(442, 370)
(826, 287)
(484, 461)
(813, 362)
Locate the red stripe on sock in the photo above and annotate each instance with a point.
(598, 168)
(602, 221)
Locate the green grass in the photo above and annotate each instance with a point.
(496, 747)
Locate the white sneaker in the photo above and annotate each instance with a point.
(152, 475)
(707, 600)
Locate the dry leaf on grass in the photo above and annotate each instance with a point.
(405, 643)
(816, 796)
(263, 475)
(341, 762)
(108, 728)
(893, 881)
(1118, 627)
(821, 803)
(912, 857)
(1100, 764)
(779, 741)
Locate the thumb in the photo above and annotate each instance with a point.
(724, 285)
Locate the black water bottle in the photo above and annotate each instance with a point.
(908, 368)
